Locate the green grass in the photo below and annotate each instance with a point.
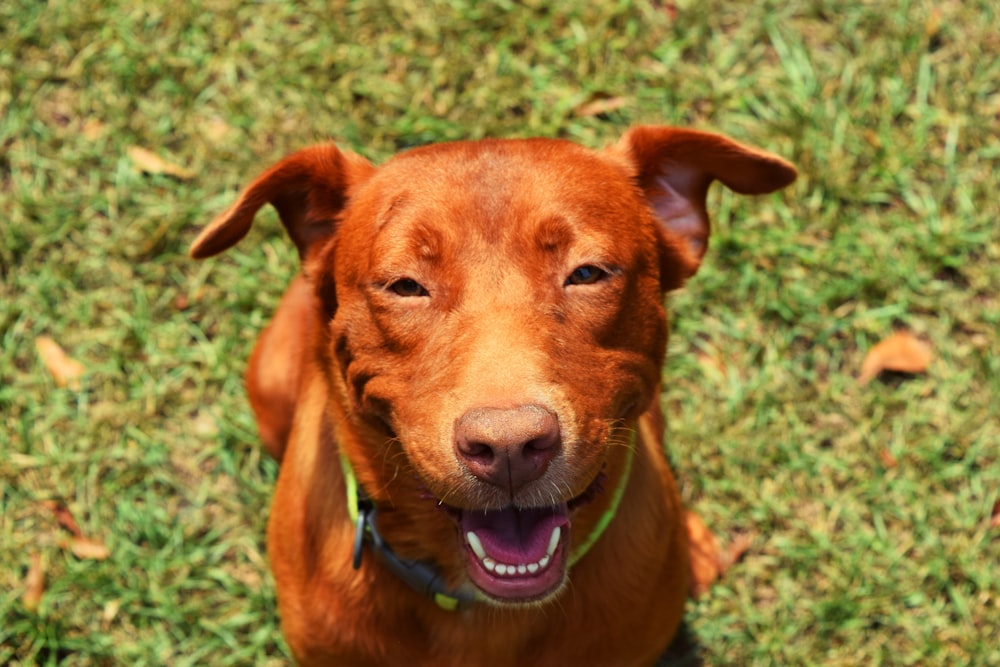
(890, 110)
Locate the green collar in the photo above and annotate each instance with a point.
(424, 577)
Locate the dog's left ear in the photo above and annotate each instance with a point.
(674, 168)
(308, 188)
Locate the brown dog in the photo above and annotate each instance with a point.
(463, 389)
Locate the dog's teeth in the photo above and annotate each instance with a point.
(554, 540)
(507, 569)
(476, 545)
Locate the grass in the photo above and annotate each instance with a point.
(870, 504)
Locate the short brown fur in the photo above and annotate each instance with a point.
(456, 281)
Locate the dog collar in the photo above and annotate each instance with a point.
(419, 575)
(423, 577)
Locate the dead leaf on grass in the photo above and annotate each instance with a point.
(86, 548)
(93, 129)
(110, 612)
(65, 370)
(873, 139)
(902, 352)
(34, 583)
(712, 362)
(704, 550)
(83, 547)
(63, 516)
(995, 517)
(599, 103)
(932, 26)
(669, 8)
(149, 162)
(888, 460)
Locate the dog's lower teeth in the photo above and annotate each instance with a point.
(505, 569)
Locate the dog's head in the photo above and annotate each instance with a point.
(493, 325)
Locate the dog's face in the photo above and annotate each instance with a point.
(492, 327)
(499, 314)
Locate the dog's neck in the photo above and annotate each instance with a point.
(422, 576)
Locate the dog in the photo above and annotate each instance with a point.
(462, 386)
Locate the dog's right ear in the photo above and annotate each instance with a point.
(308, 188)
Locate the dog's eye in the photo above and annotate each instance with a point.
(586, 275)
(408, 287)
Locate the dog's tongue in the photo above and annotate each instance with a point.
(515, 535)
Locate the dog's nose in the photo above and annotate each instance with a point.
(507, 447)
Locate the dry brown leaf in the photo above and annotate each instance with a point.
(995, 517)
(63, 516)
(669, 8)
(873, 139)
(712, 363)
(888, 460)
(93, 129)
(34, 583)
(151, 163)
(110, 612)
(932, 26)
(902, 352)
(86, 548)
(82, 546)
(599, 104)
(704, 551)
(65, 370)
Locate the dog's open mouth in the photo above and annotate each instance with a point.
(520, 554)
(517, 554)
